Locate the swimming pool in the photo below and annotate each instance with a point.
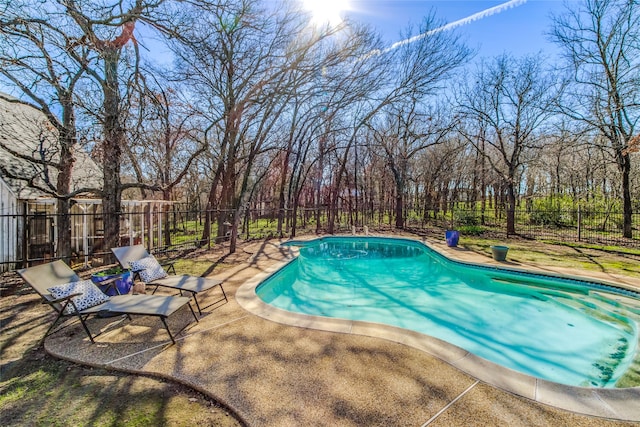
(563, 330)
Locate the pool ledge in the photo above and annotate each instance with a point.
(599, 402)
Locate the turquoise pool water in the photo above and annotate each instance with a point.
(567, 331)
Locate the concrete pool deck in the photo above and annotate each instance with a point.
(272, 373)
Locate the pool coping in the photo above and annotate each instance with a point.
(599, 402)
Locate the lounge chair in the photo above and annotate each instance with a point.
(57, 278)
(150, 271)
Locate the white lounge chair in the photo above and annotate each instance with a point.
(57, 277)
(150, 271)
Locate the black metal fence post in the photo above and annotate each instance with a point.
(579, 223)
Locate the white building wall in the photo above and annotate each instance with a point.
(8, 227)
(141, 223)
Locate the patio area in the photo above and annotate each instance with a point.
(269, 373)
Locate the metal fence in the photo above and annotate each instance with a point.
(33, 237)
(562, 225)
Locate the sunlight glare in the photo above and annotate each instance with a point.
(326, 11)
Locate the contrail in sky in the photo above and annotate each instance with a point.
(455, 24)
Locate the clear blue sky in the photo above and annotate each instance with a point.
(519, 29)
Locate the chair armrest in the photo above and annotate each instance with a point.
(169, 266)
(57, 300)
(110, 283)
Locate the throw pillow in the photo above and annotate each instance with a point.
(149, 269)
(90, 296)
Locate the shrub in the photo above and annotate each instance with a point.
(466, 218)
(545, 217)
(471, 230)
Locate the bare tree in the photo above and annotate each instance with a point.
(601, 42)
(406, 132)
(436, 167)
(233, 62)
(106, 28)
(46, 64)
(415, 70)
(302, 124)
(511, 99)
(247, 64)
(98, 50)
(164, 143)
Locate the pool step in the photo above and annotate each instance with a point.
(609, 310)
(542, 283)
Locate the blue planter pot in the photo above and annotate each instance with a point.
(452, 237)
(123, 283)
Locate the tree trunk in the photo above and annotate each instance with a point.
(627, 210)
(399, 211)
(63, 184)
(112, 150)
(511, 209)
(318, 183)
(211, 205)
(294, 217)
(166, 195)
(332, 212)
(281, 190)
(63, 249)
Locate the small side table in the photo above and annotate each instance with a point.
(114, 284)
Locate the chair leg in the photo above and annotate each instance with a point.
(197, 305)
(61, 314)
(193, 294)
(86, 328)
(224, 297)
(193, 312)
(224, 294)
(46, 334)
(167, 328)
(55, 322)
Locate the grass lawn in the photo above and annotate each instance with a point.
(39, 390)
(614, 260)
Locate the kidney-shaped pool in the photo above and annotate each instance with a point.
(563, 330)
